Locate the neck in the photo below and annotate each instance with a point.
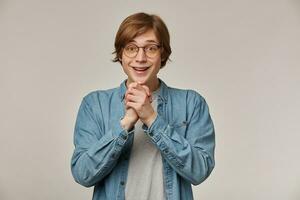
(153, 85)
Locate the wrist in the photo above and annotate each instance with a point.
(150, 120)
(126, 124)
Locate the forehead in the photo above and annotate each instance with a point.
(147, 37)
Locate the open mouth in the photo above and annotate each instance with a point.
(140, 69)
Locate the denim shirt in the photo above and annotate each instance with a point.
(183, 131)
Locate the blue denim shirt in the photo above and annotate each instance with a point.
(183, 132)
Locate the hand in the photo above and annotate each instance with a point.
(139, 98)
(129, 119)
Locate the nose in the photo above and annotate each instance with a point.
(141, 56)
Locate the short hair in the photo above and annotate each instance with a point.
(137, 24)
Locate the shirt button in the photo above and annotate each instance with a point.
(151, 134)
(166, 151)
(122, 183)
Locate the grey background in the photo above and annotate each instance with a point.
(242, 56)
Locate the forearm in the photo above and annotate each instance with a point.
(192, 160)
(92, 161)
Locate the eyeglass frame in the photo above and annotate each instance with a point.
(138, 47)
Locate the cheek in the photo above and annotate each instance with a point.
(157, 63)
(124, 61)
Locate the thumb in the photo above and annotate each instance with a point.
(149, 94)
(146, 88)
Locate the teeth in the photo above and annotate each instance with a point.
(140, 69)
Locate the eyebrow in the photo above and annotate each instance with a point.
(150, 41)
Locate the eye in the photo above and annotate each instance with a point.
(131, 48)
(152, 48)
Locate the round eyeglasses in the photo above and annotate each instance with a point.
(151, 50)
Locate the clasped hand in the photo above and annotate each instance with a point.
(138, 100)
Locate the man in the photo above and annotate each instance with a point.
(143, 140)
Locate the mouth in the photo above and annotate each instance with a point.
(140, 69)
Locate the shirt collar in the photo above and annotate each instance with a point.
(163, 90)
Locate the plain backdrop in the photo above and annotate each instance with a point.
(241, 55)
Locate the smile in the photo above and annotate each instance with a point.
(140, 69)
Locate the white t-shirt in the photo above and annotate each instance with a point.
(145, 173)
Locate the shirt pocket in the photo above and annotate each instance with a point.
(180, 126)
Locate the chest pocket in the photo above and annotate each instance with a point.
(180, 127)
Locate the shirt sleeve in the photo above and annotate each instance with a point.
(96, 150)
(192, 155)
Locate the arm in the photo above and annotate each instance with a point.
(192, 156)
(96, 152)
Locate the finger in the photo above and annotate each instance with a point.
(141, 91)
(133, 98)
(126, 106)
(136, 85)
(132, 92)
(135, 92)
(149, 93)
(129, 91)
(132, 105)
(146, 88)
(133, 84)
(142, 88)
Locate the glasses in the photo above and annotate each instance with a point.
(151, 50)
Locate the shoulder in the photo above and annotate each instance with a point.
(97, 96)
(190, 95)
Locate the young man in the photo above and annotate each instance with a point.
(143, 140)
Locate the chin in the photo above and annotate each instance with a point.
(141, 81)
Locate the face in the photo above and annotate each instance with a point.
(141, 68)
